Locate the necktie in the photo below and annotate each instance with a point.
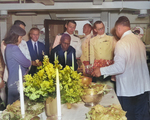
(35, 48)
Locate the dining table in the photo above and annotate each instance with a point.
(78, 110)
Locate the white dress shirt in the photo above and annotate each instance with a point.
(130, 67)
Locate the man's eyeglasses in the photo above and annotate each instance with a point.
(35, 34)
(100, 29)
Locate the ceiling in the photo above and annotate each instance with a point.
(31, 1)
(77, 7)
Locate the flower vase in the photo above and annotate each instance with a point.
(51, 108)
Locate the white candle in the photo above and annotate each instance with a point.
(21, 93)
(65, 57)
(58, 94)
(72, 62)
(55, 56)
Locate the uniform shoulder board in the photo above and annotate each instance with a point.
(76, 35)
(60, 34)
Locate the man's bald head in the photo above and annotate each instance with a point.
(65, 36)
(87, 29)
(65, 41)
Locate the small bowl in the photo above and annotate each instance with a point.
(91, 98)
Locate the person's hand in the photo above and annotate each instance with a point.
(113, 78)
(96, 72)
(39, 63)
(34, 63)
(2, 83)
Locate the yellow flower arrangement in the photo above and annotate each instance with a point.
(42, 84)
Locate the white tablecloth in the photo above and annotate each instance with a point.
(78, 110)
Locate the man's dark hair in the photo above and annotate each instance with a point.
(19, 22)
(123, 20)
(71, 21)
(97, 22)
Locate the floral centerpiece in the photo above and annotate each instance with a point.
(42, 84)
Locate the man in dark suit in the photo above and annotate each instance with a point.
(65, 52)
(36, 49)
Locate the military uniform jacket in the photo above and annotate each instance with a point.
(102, 47)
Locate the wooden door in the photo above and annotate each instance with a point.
(52, 28)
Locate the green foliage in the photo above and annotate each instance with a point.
(71, 86)
(43, 83)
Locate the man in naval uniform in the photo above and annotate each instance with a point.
(75, 41)
(101, 48)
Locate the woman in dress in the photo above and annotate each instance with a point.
(14, 57)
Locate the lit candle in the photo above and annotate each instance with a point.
(58, 94)
(72, 62)
(21, 93)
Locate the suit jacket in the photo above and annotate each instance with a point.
(61, 58)
(41, 47)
